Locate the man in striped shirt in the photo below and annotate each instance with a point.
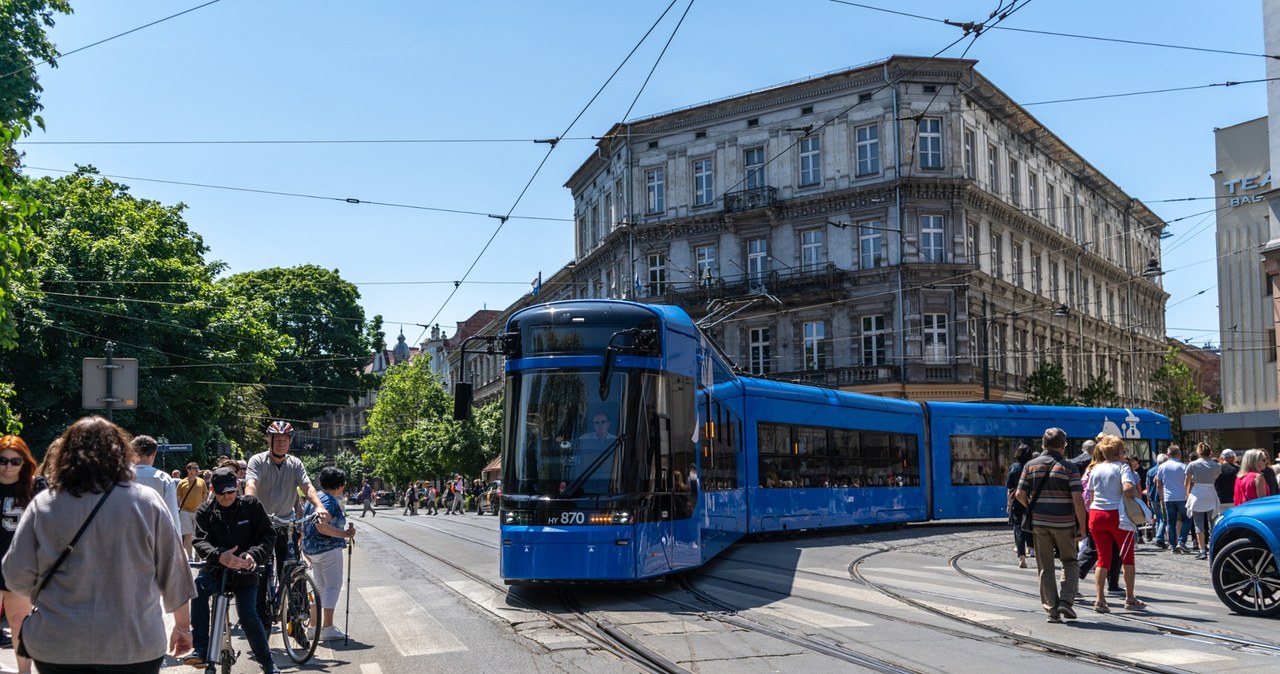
(1058, 522)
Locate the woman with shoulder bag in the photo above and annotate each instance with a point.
(1020, 458)
(1110, 482)
(94, 521)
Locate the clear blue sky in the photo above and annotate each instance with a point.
(489, 71)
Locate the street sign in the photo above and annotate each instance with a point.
(174, 448)
(124, 383)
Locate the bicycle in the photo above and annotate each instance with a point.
(294, 604)
(220, 623)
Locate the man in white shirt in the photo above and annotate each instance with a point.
(145, 447)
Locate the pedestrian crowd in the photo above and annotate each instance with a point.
(1091, 511)
(97, 507)
(451, 495)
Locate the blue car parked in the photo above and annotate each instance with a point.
(1243, 551)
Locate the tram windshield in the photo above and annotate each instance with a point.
(568, 442)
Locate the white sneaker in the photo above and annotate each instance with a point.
(331, 632)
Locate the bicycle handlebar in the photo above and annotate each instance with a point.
(291, 521)
(213, 565)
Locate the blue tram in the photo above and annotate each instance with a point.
(632, 450)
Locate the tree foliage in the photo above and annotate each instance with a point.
(1100, 392)
(114, 267)
(1175, 393)
(412, 434)
(25, 45)
(1048, 386)
(328, 338)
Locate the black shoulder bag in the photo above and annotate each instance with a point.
(22, 647)
(1026, 523)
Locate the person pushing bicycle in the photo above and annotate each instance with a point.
(235, 531)
(274, 478)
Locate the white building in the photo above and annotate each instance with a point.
(862, 228)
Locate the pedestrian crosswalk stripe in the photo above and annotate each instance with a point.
(413, 630)
(825, 589)
(488, 599)
(784, 609)
(370, 668)
(1173, 657)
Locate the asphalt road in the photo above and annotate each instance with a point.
(922, 599)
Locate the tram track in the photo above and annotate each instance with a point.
(1232, 641)
(600, 633)
(1022, 640)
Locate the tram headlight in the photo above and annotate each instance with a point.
(517, 517)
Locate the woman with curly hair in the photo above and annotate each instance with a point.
(17, 487)
(80, 625)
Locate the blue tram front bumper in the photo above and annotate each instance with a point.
(587, 553)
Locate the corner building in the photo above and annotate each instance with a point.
(902, 228)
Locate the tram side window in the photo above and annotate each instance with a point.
(846, 464)
(775, 455)
(1140, 450)
(811, 457)
(719, 453)
(890, 460)
(982, 459)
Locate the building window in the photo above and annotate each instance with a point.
(931, 238)
(993, 168)
(703, 189)
(971, 244)
(757, 261)
(1050, 204)
(1079, 231)
(705, 258)
(810, 161)
(1033, 194)
(812, 254)
(873, 339)
(1037, 283)
(997, 346)
(870, 245)
(596, 232)
(753, 167)
(657, 274)
(1015, 182)
(815, 346)
(997, 257)
(931, 143)
(970, 140)
(655, 191)
(1016, 254)
(1020, 352)
(761, 362)
(935, 339)
(868, 140)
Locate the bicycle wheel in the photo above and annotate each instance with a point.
(225, 662)
(296, 605)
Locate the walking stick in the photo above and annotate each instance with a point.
(346, 633)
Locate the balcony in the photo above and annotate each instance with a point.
(858, 375)
(783, 283)
(750, 200)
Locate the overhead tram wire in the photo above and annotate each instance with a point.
(299, 141)
(108, 39)
(1141, 43)
(303, 195)
(552, 143)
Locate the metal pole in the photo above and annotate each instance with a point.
(346, 632)
(110, 398)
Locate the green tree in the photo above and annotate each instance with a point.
(1048, 386)
(329, 339)
(114, 267)
(411, 432)
(1101, 392)
(1175, 393)
(25, 45)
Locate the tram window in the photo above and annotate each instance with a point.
(775, 455)
(719, 457)
(846, 448)
(983, 460)
(811, 457)
(1140, 450)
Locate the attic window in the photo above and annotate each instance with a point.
(700, 134)
(806, 110)
(863, 98)
(754, 121)
(930, 89)
(653, 145)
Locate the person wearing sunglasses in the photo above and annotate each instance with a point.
(17, 487)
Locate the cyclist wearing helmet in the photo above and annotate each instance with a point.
(275, 478)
